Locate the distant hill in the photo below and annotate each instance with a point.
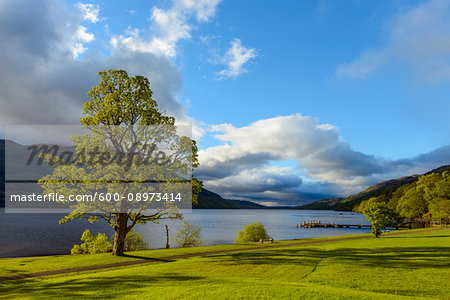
(210, 200)
(322, 204)
(347, 204)
(243, 204)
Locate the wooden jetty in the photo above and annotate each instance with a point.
(316, 223)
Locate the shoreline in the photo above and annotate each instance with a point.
(332, 238)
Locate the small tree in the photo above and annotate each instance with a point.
(380, 216)
(134, 241)
(252, 233)
(188, 235)
(92, 244)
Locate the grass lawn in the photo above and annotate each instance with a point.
(415, 265)
(14, 266)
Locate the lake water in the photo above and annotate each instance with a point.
(40, 234)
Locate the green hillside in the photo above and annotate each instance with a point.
(380, 189)
(210, 200)
(323, 204)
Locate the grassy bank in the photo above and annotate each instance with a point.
(415, 265)
(25, 265)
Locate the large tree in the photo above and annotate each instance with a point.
(413, 204)
(118, 114)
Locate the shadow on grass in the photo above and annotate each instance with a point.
(415, 237)
(395, 257)
(9, 272)
(305, 257)
(148, 258)
(89, 286)
(387, 257)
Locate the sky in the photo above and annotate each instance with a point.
(290, 101)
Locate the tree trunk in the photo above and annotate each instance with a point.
(167, 237)
(120, 232)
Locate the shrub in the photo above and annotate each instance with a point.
(188, 235)
(92, 244)
(252, 233)
(78, 249)
(135, 241)
(380, 216)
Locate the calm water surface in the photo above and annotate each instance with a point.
(40, 234)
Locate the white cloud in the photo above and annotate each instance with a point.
(84, 36)
(78, 49)
(202, 9)
(42, 40)
(81, 36)
(317, 148)
(235, 58)
(168, 26)
(242, 165)
(90, 12)
(418, 37)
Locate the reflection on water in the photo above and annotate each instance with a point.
(40, 234)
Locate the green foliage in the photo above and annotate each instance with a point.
(78, 249)
(135, 241)
(92, 244)
(426, 199)
(188, 235)
(413, 204)
(380, 216)
(437, 193)
(396, 195)
(123, 100)
(365, 204)
(252, 232)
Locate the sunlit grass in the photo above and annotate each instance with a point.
(409, 266)
(14, 266)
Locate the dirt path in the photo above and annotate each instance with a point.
(171, 258)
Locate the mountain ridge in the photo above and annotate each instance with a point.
(210, 200)
(348, 203)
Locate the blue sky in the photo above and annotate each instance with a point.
(290, 101)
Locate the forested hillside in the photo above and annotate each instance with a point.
(381, 190)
